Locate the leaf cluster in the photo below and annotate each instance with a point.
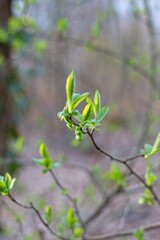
(89, 118)
(150, 150)
(6, 184)
(70, 225)
(46, 161)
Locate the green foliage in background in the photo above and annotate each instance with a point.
(18, 36)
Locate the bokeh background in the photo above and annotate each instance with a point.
(113, 46)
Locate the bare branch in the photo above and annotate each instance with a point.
(32, 207)
(115, 235)
(70, 198)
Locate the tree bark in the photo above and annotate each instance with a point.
(5, 78)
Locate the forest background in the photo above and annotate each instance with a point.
(113, 46)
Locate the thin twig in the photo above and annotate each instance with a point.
(105, 202)
(125, 162)
(115, 235)
(70, 198)
(32, 207)
(46, 224)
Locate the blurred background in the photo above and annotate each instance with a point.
(113, 46)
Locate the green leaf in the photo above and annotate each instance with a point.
(147, 149)
(97, 102)
(78, 133)
(40, 46)
(2, 185)
(12, 183)
(87, 112)
(48, 214)
(64, 192)
(17, 44)
(43, 150)
(62, 24)
(70, 88)
(14, 24)
(78, 231)
(155, 148)
(79, 99)
(19, 144)
(96, 29)
(102, 113)
(89, 100)
(77, 115)
(115, 174)
(150, 176)
(45, 170)
(8, 180)
(156, 145)
(47, 163)
(38, 161)
(90, 46)
(71, 220)
(139, 234)
(30, 1)
(146, 198)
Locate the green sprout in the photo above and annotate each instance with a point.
(6, 184)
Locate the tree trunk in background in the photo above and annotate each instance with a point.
(5, 78)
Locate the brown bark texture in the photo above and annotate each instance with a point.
(5, 78)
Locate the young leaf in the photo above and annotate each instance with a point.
(146, 198)
(150, 176)
(47, 163)
(102, 113)
(8, 180)
(87, 112)
(116, 174)
(79, 99)
(139, 234)
(12, 183)
(38, 161)
(70, 88)
(78, 231)
(89, 100)
(97, 102)
(78, 133)
(77, 115)
(62, 24)
(43, 150)
(2, 185)
(147, 149)
(49, 214)
(71, 220)
(156, 145)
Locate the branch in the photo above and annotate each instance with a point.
(31, 206)
(106, 201)
(70, 198)
(124, 233)
(109, 155)
(125, 162)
